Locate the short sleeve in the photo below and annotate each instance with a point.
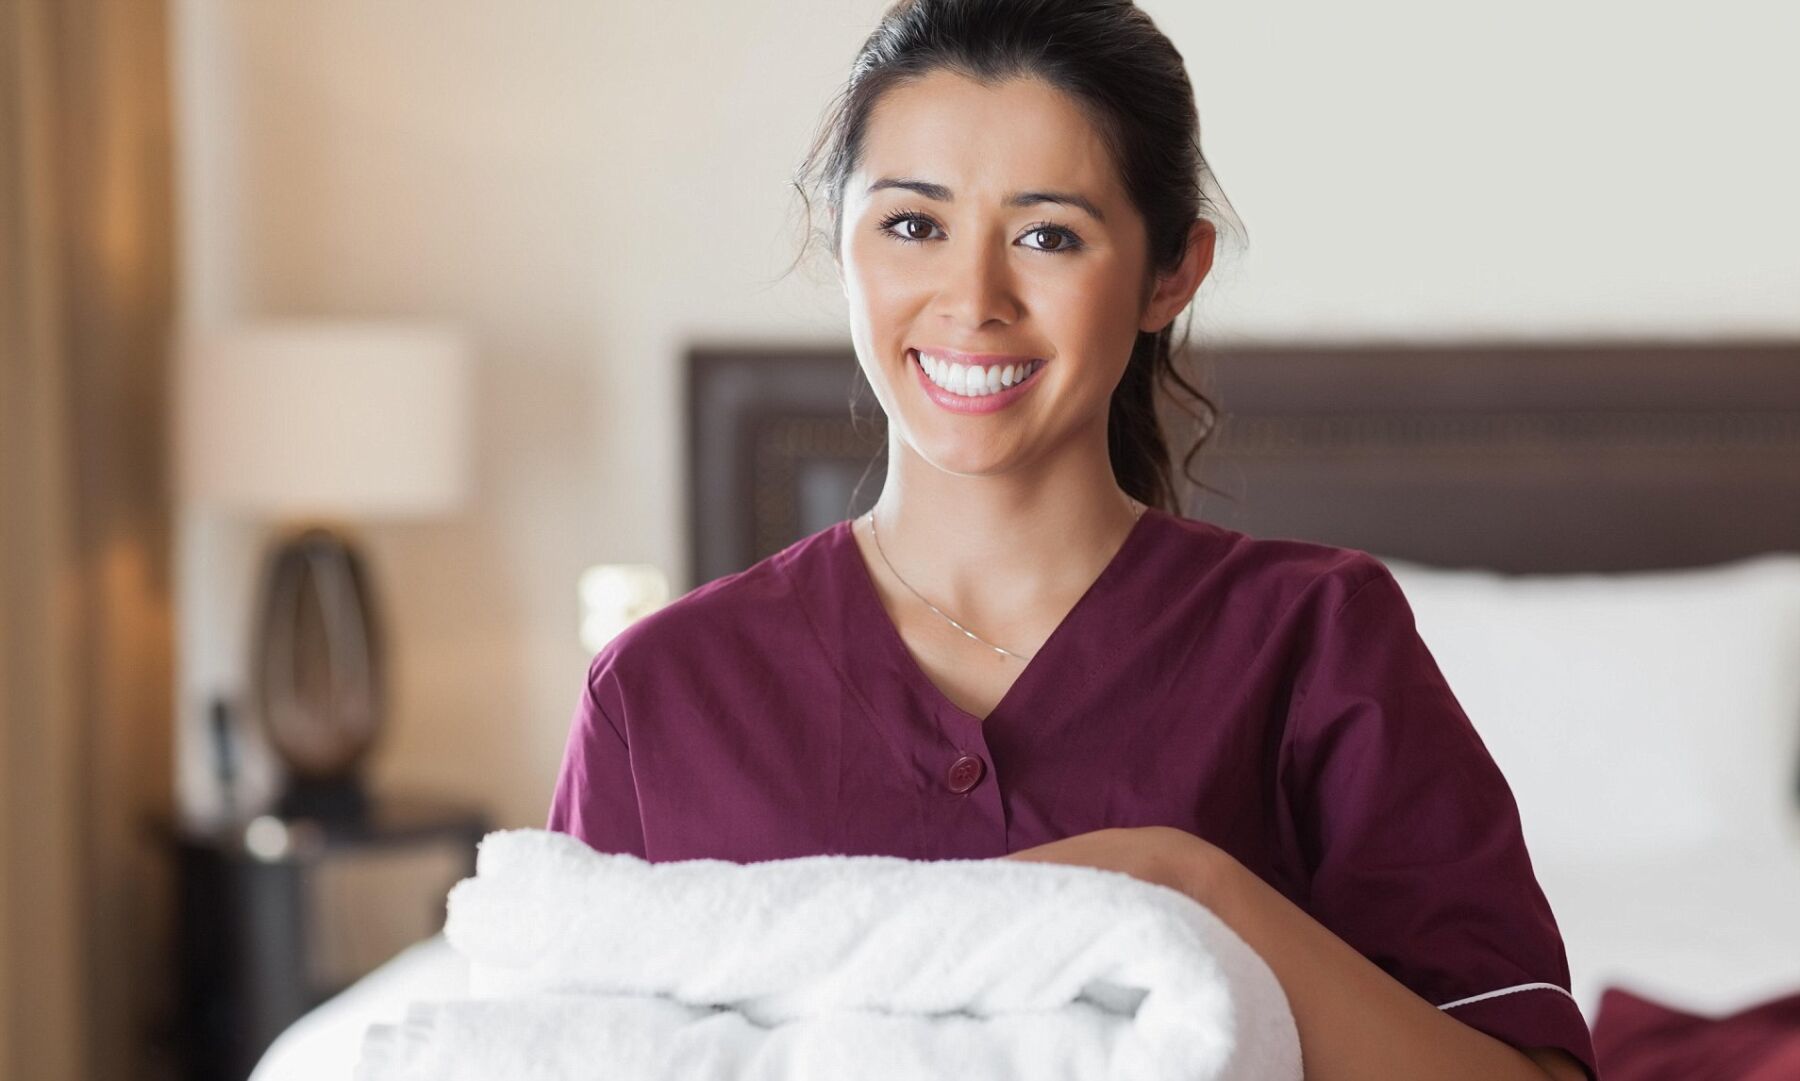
(595, 798)
(1409, 832)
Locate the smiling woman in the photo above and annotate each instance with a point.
(982, 274)
(975, 205)
(1024, 649)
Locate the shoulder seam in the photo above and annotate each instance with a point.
(1378, 573)
(594, 700)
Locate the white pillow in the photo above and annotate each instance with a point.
(1634, 713)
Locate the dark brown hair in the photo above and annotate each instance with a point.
(1130, 79)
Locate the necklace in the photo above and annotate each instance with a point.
(876, 533)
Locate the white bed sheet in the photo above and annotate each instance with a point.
(1711, 931)
(324, 1044)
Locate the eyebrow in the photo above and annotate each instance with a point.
(1017, 198)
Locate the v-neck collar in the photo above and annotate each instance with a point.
(863, 605)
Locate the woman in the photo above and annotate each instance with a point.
(1023, 650)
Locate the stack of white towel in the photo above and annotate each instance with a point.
(603, 966)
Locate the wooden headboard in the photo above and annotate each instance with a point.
(1522, 458)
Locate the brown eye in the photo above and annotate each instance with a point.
(1063, 243)
(905, 221)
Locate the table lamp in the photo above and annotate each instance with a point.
(316, 423)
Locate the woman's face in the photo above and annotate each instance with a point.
(997, 225)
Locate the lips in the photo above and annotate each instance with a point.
(955, 397)
(995, 370)
(971, 360)
(970, 379)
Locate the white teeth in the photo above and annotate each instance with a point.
(975, 381)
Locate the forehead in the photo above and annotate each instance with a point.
(950, 129)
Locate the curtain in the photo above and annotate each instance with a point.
(86, 665)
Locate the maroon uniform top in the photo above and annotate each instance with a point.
(1271, 696)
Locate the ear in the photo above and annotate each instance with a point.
(1173, 291)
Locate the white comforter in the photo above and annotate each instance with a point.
(589, 965)
(1712, 930)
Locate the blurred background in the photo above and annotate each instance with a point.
(535, 211)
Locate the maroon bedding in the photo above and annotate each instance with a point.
(1637, 1039)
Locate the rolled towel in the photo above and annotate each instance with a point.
(601, 965)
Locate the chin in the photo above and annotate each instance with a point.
(965, 456)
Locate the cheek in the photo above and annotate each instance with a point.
(877, 287)
(1091, 314)
(1098, 291)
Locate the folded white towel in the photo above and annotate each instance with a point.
(602, 965)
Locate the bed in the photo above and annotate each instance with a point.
(1601, 544)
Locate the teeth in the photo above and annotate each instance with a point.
(974, 381)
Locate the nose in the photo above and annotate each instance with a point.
(978, 288)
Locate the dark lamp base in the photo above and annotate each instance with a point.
(338, 801)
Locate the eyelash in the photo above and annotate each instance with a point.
(1072, 243)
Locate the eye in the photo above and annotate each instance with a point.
(1066, 240)
(906, 219)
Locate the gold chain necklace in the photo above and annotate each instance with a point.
(876, 533)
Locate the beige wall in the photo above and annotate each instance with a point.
(589, 186)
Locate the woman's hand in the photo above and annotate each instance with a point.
(1162, 855)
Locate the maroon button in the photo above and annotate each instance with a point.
(965, 773)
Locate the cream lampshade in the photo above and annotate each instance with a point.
(316, 423)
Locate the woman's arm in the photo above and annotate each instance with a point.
(1355, 1020)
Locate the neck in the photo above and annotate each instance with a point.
(996, 553)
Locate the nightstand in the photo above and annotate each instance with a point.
(275, 916)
